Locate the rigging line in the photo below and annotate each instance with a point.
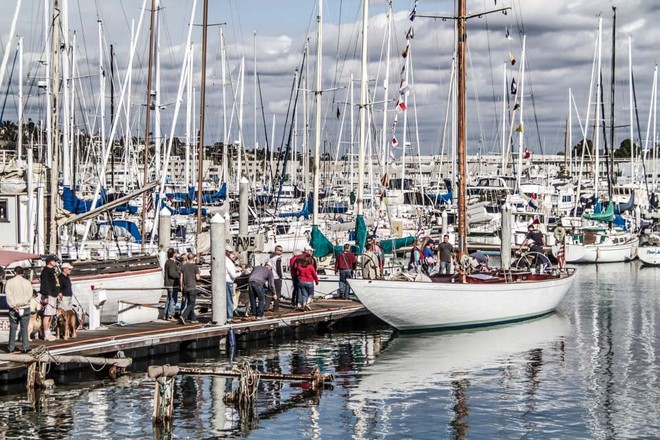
(82, 27)
(11, 74)
(492, 78)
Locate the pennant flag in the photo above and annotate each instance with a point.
(512, 59)
(507, 35)
(404, 54)
(520, 128)
(410, 34)
(338, 112)
(401, 105)
(403, 88)
(413, 13)
(392, 160)
(514, 87)
(395, 143)
(385, 180)
(516, 107)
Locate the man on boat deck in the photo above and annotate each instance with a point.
(534, 237)
(378, 251)
(171, 275)
(345, 263)
(446, 250)
(49, 288)
(19, 294)
(276, 262)
(481, 259)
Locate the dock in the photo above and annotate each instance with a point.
(163, 338)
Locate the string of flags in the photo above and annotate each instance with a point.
(404, 89)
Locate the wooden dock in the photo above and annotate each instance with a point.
(158, 338)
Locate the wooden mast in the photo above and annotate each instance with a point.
(55, 135)
(462, 133)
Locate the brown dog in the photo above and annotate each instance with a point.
(67, 324)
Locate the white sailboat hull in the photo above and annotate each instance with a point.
(422, 306)
(138, 287)
(649, 255)
(601, 253)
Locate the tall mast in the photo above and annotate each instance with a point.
(363, 114)
(386, 82)
(612, 86)
(317, 132)
(55, 134)
(462, 133)
(147, 120)
(202, 104)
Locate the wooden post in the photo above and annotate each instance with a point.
(505, 251)
(163, 392)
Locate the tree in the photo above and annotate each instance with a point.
(624, 149)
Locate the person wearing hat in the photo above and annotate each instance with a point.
(49, 289)
(429, 255)
(66, 290)
(259, 278)
(345, 264)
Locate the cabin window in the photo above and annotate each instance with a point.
(566, 199)
(4, 215)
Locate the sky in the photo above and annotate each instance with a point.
(560, 41)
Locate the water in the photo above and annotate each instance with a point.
(590, 371)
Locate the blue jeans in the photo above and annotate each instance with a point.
(257, 298)
(172, 299)
(191, 300)
(445, 267)
(305, 292)
(344, 288)
(14, 321)
(230, 300)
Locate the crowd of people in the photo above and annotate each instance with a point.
(41, 308)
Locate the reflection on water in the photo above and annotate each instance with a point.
(589, 371)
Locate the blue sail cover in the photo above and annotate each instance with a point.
(76, 205)
(304, 212)
(131, 227)
(442, 198)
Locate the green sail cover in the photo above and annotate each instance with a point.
(360, 234)
(392, 244)
(322, 246)
(605, 216)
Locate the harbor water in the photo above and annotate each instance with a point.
(589, 371)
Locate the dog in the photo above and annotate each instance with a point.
(67, 324)
(34, 326)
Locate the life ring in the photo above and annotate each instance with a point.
(560, 234)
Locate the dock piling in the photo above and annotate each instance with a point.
(218, 271)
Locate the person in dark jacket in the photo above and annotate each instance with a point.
(66, 289)
(49, 289)
(171, 280)
(259, 278)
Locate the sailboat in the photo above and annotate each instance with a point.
(465, 299)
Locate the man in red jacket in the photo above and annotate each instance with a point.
(345, 264)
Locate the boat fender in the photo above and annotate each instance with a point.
(560, 234)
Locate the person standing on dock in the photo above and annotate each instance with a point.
(66, 289)
(259, 278)
(276, 263)
(172, 275)
(293, 267)
(19, 294)
(232, 274)
(307, 278)
(345, 264)
(49, 290)
(189, 277)
(446, 251)
(378, 251)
